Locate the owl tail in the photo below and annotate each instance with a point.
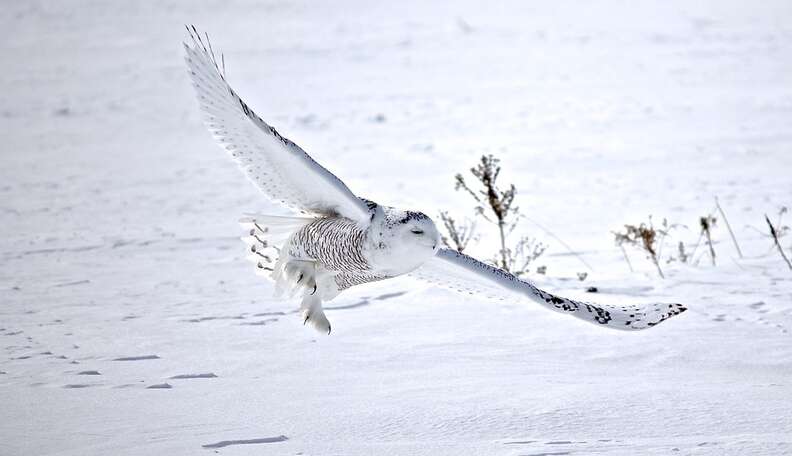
(266, 235)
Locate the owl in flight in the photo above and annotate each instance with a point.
(341, 240)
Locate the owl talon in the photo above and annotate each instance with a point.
(298, 277)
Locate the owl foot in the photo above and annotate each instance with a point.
(313, 314)
(297, 277)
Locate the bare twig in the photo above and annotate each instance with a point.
(495, 206)
(774, 234)
(728, 227)
(460, 183)
(683, 257)
(698, 241)
(643, 237)
(780, 230)
(695, 247)
(657, 265)
(525, 252)
(626, 258)
(706, 228)
(653, 256)
(666, 229)
(459, 234)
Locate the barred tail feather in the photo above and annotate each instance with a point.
(266, 235)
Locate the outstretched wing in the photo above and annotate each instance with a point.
(278, 167)
(459, 272)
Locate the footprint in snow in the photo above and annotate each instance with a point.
(160, 386)
(191, 376)
(361, 303)
(554, 453)
(395, 294)
(225, 443)
(222, 317)
(137, 358)
(259, 322)
(267, 314)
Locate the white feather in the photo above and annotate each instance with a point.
(459, 272)
(278, 167)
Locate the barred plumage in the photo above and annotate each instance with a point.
(337, 244)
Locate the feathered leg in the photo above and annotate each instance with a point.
(312, 312)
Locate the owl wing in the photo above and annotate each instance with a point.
(277, 166)
(459, 272)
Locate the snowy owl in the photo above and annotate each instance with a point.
(341, 240)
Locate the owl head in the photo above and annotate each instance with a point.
(403, 240)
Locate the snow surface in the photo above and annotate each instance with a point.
(131, 324)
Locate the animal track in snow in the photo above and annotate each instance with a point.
(222, 317)
(225, 443)
(757, 306)
(385, 296)
(191, 376)
(555, 453)
(562, 451)
(259, 322)
(160, 386)
(361, 303)
(137, 358)
(365, 300)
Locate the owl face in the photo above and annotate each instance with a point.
(405, 240)
(418, 233)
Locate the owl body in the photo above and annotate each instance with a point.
(324, 256)
(338, 246)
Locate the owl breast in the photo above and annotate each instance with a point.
(338, 245)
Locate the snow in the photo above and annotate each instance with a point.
(131, 323)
